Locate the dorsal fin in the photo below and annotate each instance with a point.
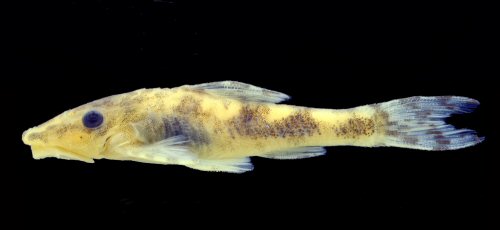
(241, 91)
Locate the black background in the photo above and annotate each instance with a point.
(64, 54)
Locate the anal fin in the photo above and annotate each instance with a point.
(296, 153)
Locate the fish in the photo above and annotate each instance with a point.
(219, 126)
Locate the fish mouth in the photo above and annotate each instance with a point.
(37, 139)
(41, 152)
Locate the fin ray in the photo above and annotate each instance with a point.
(173, 150)
(296, 153)
(418, 123)
(238, 165)
(176, 150)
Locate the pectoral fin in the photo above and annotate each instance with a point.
(242, 91)
(173, 150)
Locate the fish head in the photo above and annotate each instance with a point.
(82, 133)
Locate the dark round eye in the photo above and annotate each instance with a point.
(92, 119)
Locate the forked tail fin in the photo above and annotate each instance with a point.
(418, 123)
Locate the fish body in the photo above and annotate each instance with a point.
(218, 126)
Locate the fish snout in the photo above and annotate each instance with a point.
(34, 135)
(25, 136)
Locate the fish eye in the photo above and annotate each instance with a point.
(92, 119)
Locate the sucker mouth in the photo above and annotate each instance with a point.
(40, 152)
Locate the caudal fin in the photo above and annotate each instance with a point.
(418, 123)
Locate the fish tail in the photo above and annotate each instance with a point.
(419, 123)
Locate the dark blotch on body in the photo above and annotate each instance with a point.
(298, 124)
(189, 121)
(252, 122)
(189, 106)
(176, 126)
(356, 126)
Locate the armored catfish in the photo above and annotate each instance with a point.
(218, 126)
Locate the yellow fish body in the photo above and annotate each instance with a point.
(218, 126)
